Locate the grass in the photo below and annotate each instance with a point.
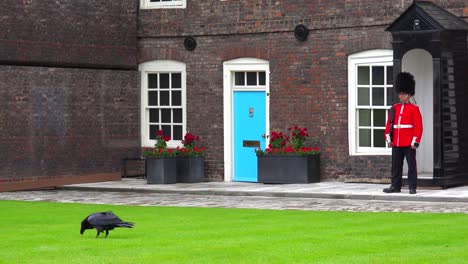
(44, 232)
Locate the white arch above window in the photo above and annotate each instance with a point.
(245, 61)
(371, 55)
(160, 64)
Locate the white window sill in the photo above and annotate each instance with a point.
(146, 4)
(377, 153)
(170, 145)
(161, 7)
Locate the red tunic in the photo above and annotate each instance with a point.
(407, 125)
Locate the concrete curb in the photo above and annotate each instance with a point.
(391, 197)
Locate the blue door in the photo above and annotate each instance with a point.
(249, 126)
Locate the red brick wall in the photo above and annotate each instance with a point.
(72, 33)
(308, 85)
(69, 91)
(308, 80)
(220, 17)
(57, 121)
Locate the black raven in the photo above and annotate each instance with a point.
(103, 221)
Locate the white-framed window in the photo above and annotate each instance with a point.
(163, 101)
(370, 92)
(249, 80)
(154, 4)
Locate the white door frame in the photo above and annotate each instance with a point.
(242, 64)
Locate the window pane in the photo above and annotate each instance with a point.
(153, 130)
(164, 80)
(164, 98)
(239, 78)
(251, 78)
(389, 96)
(364, 117)
(389, 74)
(378, 96)
(177, 115)
(363, 96)
(177, 132)
(154, 115)
(379, 141)
(153, 98)
(176, 98)
(166, 115)
(176, 80)
(152, 80)
(379, 117)
(363, 75)
(378, 75)
(261, 78)
(364, 137)
(166, 131)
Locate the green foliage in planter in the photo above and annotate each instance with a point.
(160, 148)
(281, 143)
(189, 148)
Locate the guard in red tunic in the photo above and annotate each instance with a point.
(403, 132)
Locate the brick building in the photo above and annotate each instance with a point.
(69, 95)
(85, 84)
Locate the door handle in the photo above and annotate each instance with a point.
(263, 135)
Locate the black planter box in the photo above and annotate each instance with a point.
(161, 170)
(288, 168)
(190, 169)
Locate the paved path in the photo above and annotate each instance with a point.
(233, 201)
(335, 190)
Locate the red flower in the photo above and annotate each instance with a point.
(189, 149)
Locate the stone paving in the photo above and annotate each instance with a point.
(234, 201)
(327, 189)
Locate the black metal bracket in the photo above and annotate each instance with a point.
(124, 167)
(190, 43)
(301, 32)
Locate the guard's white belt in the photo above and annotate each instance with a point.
(402, 126)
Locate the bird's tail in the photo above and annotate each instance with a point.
(126, 224)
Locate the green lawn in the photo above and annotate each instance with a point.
(43, 232)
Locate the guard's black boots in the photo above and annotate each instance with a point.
(391, 189)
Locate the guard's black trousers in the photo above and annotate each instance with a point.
(398, 155)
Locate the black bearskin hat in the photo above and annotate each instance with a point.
(405, 83)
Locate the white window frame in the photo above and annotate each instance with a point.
(161, 66)
(146, 4)
(229, 67)
(246, 87)
(370, 57)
